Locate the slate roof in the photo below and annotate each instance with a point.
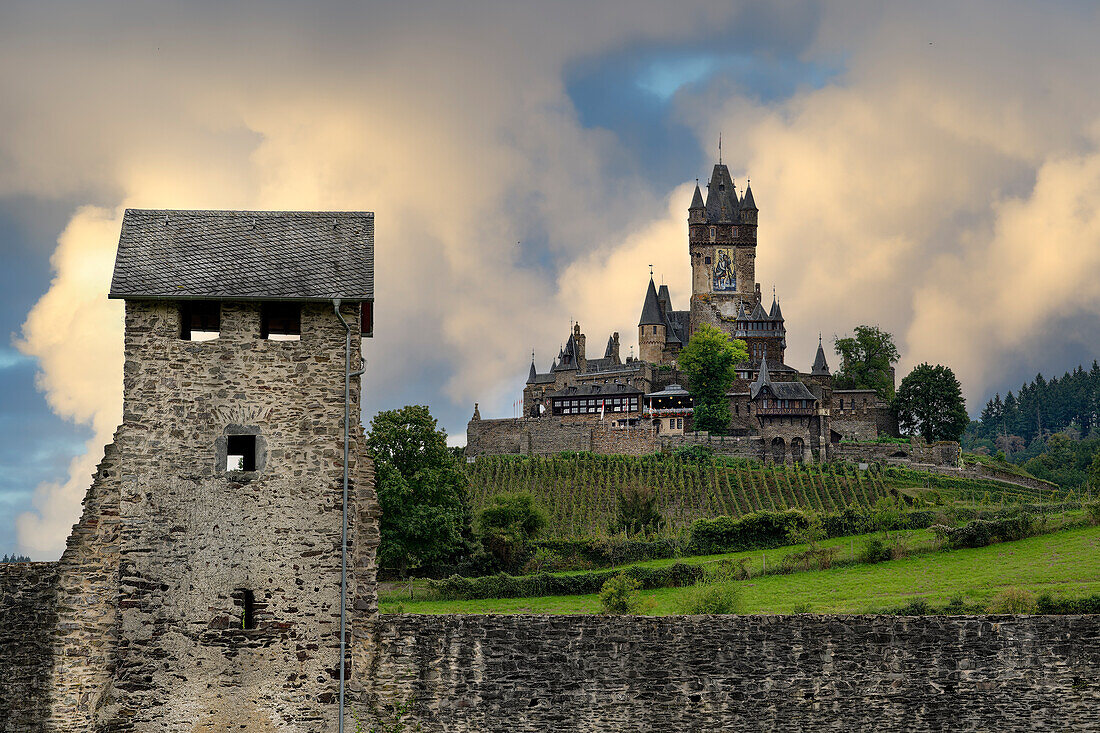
(781, 390)
(748, 202)
(821, 367)
(681, 324)
(697, 199)
(595, 390)
(722, 204)
(245, 255)
(651, 308)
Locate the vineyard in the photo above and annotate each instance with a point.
(579, 491)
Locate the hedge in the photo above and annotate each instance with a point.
(605, 553)
(982, 532)
(502, 585)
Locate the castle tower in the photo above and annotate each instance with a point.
(230, 467)
(652, 330)
(722, 248)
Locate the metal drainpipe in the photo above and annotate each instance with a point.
(348, 374)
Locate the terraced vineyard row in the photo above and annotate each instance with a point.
(579, 492)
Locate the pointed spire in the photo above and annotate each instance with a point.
(697, 199)
(821, 367)
(651, 309)
(741, 314)
(762, 378)
(758, 313)
(775, 305)
(748, 202)
(534, 372)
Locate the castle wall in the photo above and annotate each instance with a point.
(638, 441)
(195, 537)
(28, 618)
(724, 445)
(494, 437)
(710, 673)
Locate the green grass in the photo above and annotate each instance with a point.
(579, 492)
(1065, 564)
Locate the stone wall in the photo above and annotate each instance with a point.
(494, 437)
(708, 673)
(749, 446)
(637, 441)
(200, 544)
(28, 619)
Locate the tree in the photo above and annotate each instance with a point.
(865, 361)
(422, 489)
(710, 361)
(507, 526)
(930, 402)
(636, 511)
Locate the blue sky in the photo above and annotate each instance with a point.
(924, 167)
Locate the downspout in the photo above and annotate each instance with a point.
(348, 374)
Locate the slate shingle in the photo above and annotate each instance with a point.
(252, 255)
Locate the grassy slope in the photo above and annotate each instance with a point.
(580, 492)
(1066, 564)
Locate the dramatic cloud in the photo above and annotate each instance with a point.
(943, 183)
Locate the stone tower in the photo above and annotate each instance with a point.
(722, 248)
(652, 330)
(229, 468)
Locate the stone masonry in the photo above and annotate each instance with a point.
(511, 674)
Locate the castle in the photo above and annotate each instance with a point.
(791, 416)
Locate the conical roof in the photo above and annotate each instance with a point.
(610, 350)
(651, 309)
(821, 367)
(741, 314)
(762, 379)
(748, 203)
(777, 311)
(758, 313)
(697, 199)
(532, 374)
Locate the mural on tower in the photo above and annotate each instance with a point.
(725, 278)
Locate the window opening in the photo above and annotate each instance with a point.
(281, 321)
(240, 453)
(706, 260)
(248, 608)
(200, 320)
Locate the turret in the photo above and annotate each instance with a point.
(651, 327)
(697, 212)
(821, 367)
(748, 207)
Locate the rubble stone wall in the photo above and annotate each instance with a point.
(712, 673)
(28, 619)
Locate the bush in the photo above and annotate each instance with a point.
(1013, 600)
(1045, 603)
(636, 511)
(982, 532)
(728, 569)
(711, 599)
(508, 525)
(815, 558)
(874, 550)
(584, 554)
(759, 530)
(1092, 510)
(502, 585)
(619, 595)
(802, 608)
(694, 453)
(543, 560)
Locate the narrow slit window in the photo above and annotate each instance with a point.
(247, 601)
(200, 320)
(281, 321)
(240, 453)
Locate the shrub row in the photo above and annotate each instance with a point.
(982, 532)
(764, 530)
(605, 553)
(502, 585)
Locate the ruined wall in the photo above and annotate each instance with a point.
(195, 537)
(716, 673)
(28, 617)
